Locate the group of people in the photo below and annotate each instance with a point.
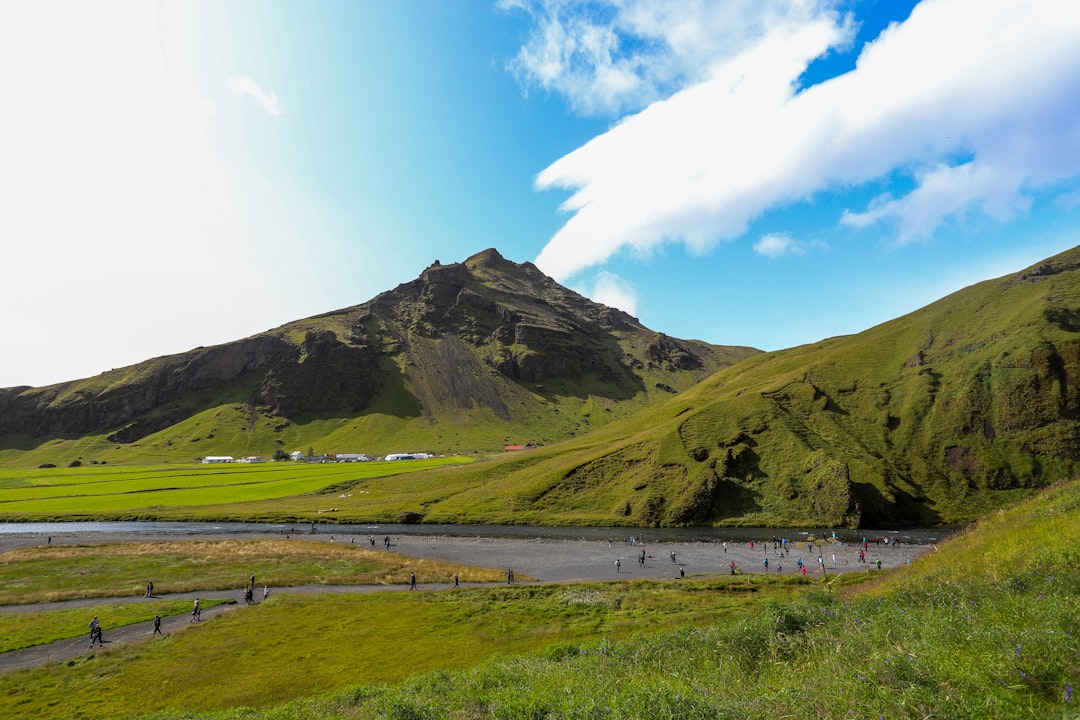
(196, 609)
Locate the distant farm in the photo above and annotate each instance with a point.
(242, 491)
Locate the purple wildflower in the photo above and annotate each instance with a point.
(1068, 692)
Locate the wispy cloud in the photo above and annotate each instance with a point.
(244, 85)
(612, 56)
(774, 245)
(993, 84)
(609, 289)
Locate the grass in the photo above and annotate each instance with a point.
(984, 627)
(943, 639)
(22, 630)
(189, 492)
(292, 646)
(59, 572)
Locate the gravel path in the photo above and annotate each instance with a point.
(532, 560)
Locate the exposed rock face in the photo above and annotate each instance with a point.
(454, 338)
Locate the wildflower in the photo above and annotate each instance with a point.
(1017, 651)
(1068, 692)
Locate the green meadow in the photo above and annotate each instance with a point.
(984, 627)
(188, 492)
(294, 646)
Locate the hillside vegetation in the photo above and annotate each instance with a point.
(935, 417)
(467, 358)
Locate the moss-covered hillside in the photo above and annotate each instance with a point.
(934, 417)
(467, 358)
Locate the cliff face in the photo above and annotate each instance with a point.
(461, 337)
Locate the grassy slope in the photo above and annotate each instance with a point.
(437, 389)
(797, 437)
(985, 627)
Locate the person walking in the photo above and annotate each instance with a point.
(196, 612)
(455, 580)
(157, 625)
(266, 591)
(412, 581)
(95, 632)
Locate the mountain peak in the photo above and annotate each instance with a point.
(487, 258)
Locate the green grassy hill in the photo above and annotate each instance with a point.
(931, 418)
(467, 358)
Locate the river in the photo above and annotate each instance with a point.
(87, 531)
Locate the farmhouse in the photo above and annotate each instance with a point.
(213, 459)
(351, 457)
(297, 455)
(252, 459)
(409, 456)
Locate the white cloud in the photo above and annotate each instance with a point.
(993, 83)
(610, 56)
(776, 245)
(611, 290)
(244, 85)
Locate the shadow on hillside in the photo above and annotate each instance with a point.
(903, 510)
(732, 500)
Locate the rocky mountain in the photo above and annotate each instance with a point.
(935, 417)
(464, 358)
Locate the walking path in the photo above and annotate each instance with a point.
(540, 560)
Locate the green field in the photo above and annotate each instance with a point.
(986, 627)
(183, 491)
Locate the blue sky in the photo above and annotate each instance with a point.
(748, 172)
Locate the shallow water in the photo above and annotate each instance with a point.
(916, 536)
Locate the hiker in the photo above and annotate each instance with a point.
(879, 564)
(618, 565)
(196, 612)
(266, 591)
(412, 581)
(673, 558)
(732, 567)
(95, 632)
(150, 589)
(682, 573)
(157, 625)
(765, 562)
(455, 580)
